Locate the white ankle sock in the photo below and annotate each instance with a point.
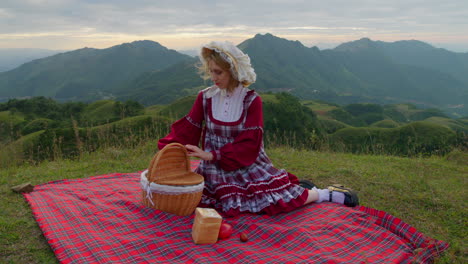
(324, 196)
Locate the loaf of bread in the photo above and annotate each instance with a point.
(206, 225)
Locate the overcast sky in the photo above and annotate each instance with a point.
(187, 24)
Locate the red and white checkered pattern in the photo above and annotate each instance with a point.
(101, 220)
(256, 187)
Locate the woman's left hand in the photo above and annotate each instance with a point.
(194, 151)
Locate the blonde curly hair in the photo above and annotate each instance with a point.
(212, 55)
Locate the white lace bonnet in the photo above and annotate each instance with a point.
(241, 69)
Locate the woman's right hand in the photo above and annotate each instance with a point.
(194, 151)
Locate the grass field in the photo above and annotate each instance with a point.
(428, 193)
(320, 108)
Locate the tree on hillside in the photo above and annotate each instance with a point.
(344, 116)
(360, 109)
(291, 122)
(35, 107)
(369, 113)
(426, 113)
(128, 109)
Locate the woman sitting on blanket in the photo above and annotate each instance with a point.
(228, 118)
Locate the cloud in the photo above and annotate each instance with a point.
(81, 21)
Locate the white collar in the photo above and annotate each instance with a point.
(213, 90)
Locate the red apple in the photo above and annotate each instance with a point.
(225, 231)
(243, 237)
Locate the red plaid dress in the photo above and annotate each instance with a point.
(241, 177)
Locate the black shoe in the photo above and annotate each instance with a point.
(307, 184)
(351, 197)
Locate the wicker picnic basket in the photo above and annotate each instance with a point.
(169, 184)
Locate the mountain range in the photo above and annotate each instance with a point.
(358, 71)
(86, 74)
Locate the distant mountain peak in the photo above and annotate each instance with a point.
(414, 44)
(361, 44)
(266, 35)
(146, 43)
(140, 44)
(268, 39)
(87, 73)
(367, 44)
(315, 49)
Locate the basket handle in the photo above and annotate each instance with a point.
(175, 144)
(169, 146)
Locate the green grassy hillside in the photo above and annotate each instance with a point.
(428, 193)
(9, 120)
(100, 112)
(73, 128)
(386, 123)
(453, 124)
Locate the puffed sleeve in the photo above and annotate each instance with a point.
(188, 129)
(244, 150)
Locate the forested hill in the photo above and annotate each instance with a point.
(418, 53)
(163, 86)
(86, 74)
(358, 71)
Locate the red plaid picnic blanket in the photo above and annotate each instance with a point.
(100, 220)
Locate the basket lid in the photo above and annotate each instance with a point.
(190, 178)
(171, 166)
